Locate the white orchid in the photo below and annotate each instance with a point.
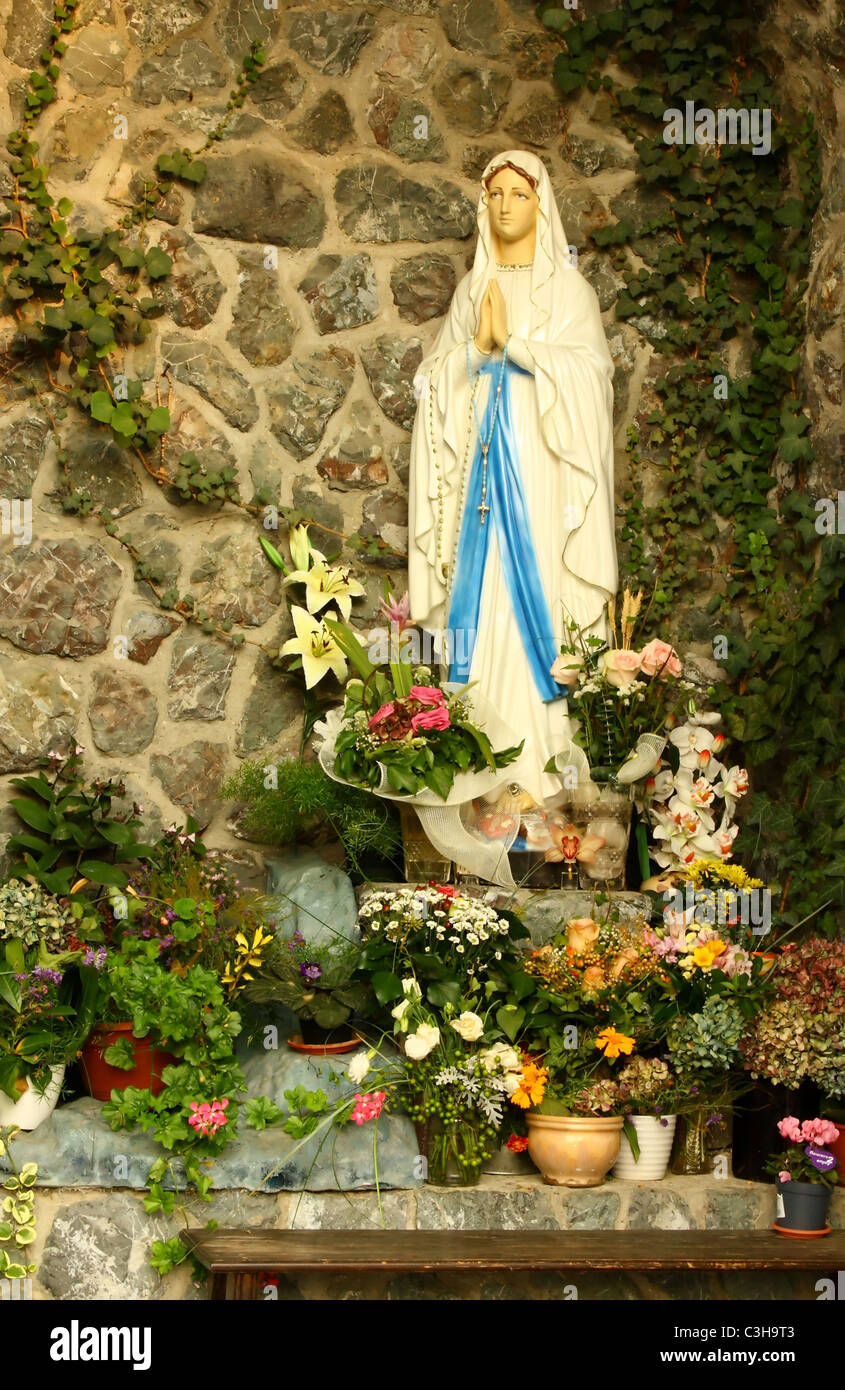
(734, 784)
(317, 647)
(327, 584)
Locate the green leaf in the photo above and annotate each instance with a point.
(386, 986)
(158, 263)
(33, 813)
(442, 992)
(101, 333)
(123, 419)
(107, 874)
(158, 420)
(510, 1019)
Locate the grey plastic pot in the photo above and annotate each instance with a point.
(805, 1206)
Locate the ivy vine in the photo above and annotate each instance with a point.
(725, 256)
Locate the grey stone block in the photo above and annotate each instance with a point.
(483, 1209)
(590, 1209)
(100, 1250)
(659, 1210)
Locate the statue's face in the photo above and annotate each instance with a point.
(512, 204)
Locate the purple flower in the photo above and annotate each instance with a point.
(96, 958)
(43, 974)
(310, 971)
(714, 1119)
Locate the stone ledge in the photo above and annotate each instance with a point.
(93, 1243)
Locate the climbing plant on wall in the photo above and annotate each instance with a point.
(725, 256)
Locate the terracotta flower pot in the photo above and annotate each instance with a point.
(574, 1150)
(100, 1079)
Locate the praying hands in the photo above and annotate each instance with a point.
(493, 320)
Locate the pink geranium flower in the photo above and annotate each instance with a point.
(790, 1128)
(384, 712)
(368, 1106)
(437, 718)
(427, 695)
(208, 1118)
(783, 1176)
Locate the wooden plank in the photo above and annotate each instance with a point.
(247, 1251)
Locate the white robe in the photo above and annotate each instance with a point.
(562, 416)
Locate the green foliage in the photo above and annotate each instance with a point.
(17, 1214)
(728, 257)
(328, 998)
(306, 806)
(71, 830)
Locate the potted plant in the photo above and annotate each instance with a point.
(651, 1102)
(46, 1003)
(318, 984)
(805, 1176)
(171, 939)
(574, 1104)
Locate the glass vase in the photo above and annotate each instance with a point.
(422, 861)
(455, 1153)
(689, 1151)
(601, 815)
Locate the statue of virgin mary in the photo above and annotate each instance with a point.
(511, 483)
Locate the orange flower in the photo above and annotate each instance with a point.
(612, 1043)
(705, 955)
(517, 1144)
(532, 1086)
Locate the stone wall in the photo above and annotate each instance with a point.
(94, 1244)
(297, 373)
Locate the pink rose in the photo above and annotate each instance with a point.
(566, 669)
(620, 667)
(790, 1128)
(659, 659)
(380, 714)
(437, 718)
(427, 695)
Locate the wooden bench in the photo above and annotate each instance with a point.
(237, 1258)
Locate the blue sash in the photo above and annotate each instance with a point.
(508, 513)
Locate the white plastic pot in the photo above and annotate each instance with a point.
(655, 1141)
(33, 1108)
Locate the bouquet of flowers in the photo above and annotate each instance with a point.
(402, 731)
(622, 697)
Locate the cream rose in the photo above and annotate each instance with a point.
(567, 669)
(469, 1026)
(581, 934)
(419, 1044)
(500, 1055)
(620, 667)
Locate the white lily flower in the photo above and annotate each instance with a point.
(301, 548)
(317, 647)
(327, 585)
